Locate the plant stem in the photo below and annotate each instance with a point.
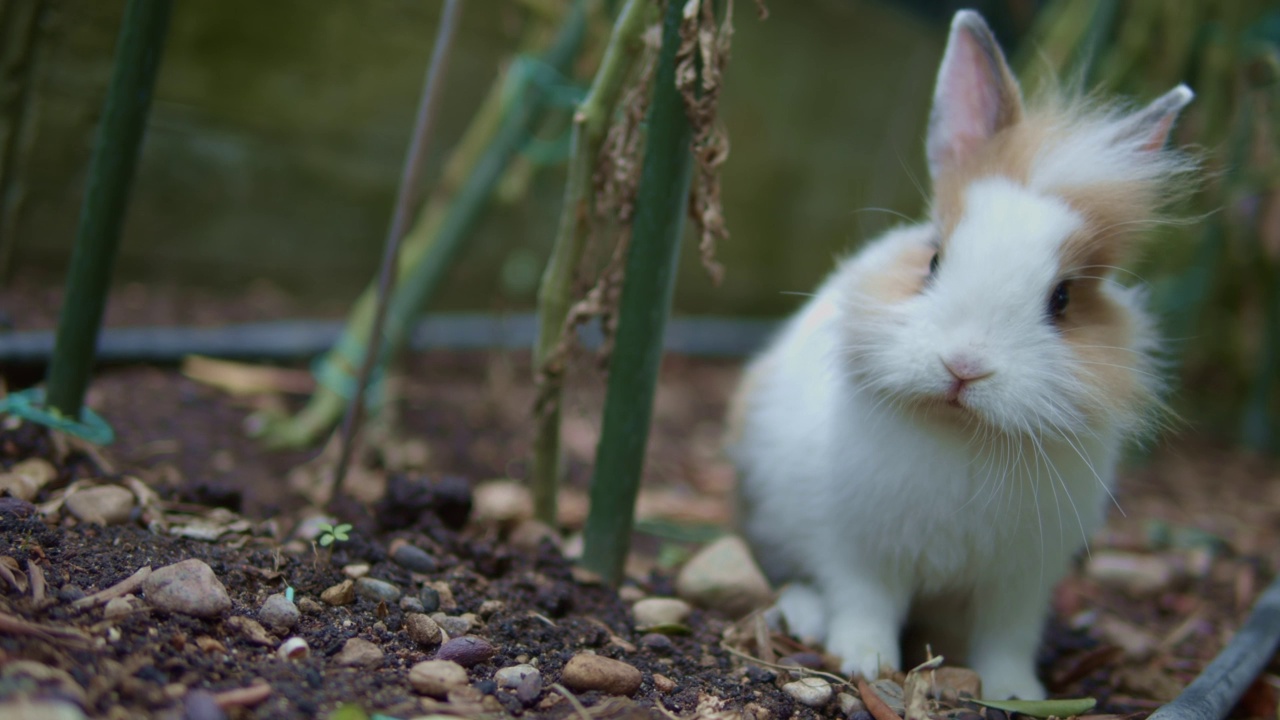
(410, 181)
(111, 171)
(556, 291)
(661, 204)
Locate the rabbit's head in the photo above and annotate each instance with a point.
(1009, 316)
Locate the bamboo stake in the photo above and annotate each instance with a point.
(555, 293)
(111, 173)
(647, 291)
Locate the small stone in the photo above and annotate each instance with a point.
(24, 708)
(412, 557)
(295, 648)
(201, 705)
(652, 612)
(341, 594)
(524, 680)
(437, 677)
(251, 630)
(528, 535)
(630, 594)
(377, 590)
(70, 593)
(585, 672)
(455, 626)
(188, 587)
(309, 606)
(811, 691)
(430, 599)
(1130, 571)
(210, 645)
(503, 502)
(355, 571)
(278, 613)
(422, 629)
(489, 607)
(310, 528)
(849, 704)
(865, 715)
(359, 653)
(103, 505)
(121, 607)
(25, 479)
(411, 604)
(658, 643)
(467, 650)
(662, 683)
(950, 683)
(723, 576)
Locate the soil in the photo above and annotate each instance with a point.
(1204, 517)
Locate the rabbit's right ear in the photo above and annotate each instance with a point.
(976, 95)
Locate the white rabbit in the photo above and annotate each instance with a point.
(931, 440)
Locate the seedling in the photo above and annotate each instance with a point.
(330, 534)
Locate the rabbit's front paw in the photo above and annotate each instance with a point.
(804, 612)
(864, 644)
(1002, 680)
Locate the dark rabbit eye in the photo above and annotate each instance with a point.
(933, 265)
(1059, 299)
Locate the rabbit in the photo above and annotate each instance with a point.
(929, 442)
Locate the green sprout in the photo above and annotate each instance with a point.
(330, 534)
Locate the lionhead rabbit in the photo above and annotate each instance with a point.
(932, 438)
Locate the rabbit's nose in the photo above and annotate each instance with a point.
(966, 369)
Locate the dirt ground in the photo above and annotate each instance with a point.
(1164, 587)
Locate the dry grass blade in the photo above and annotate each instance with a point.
(120, 589)
(18, 626)
(573, 700)
(38, 583)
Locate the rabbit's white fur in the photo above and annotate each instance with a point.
(873, 501)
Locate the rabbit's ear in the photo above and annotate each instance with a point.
(976, 94)
(1151, 125)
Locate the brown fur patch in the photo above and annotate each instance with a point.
(903, 278)
(1101, 335)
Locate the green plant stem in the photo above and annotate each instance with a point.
(111, 171)
(556, 291)
(458, 195)
(661, 203)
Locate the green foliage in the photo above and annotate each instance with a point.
(1043, 708)
(330, 534)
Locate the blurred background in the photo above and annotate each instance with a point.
(275, 142)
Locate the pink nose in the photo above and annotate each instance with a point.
(966, 369)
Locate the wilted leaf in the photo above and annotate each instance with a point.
(1043, 708)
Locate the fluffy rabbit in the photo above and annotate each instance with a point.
(931, 440)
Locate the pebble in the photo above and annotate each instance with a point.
(723, 576)
(437, 677)
(279, 613)
(25, 479)
(309, 606)
(662, 683)
(585, 672)
(411, 604)
(188, 587)
(103, 505)
(412, 557)
(26, 709)
(355, 571)
(422, 629)
(310, 528)
(524, 680)
(455, 626)
(70, 593)
(652, 612)
(359, 653)
(341, 594)
(811, 691)
(251, 630)
(657, 642)
(295, 648)
(377, 590)
(430, 599)
(501, 502)
(1130, 571)
(201, 705)
(850, 704)
(120, 607)
(529, 534)
(467, 650)
(488, 608)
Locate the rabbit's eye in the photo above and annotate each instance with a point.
(933, 265)
(1059, 299)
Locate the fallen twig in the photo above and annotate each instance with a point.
(243, 697)
(18, 626)
(120, 589)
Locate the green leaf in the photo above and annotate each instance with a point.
(1043, 708)
(341, 531)
(667, 629)
(349, 711)
(326, 540)
(325, 528)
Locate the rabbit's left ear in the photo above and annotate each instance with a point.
(1151, 125)
(976, 95)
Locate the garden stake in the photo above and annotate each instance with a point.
(661, 204)
(1216, 691)
(555, 293)
(410, 180)
(111, 171)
